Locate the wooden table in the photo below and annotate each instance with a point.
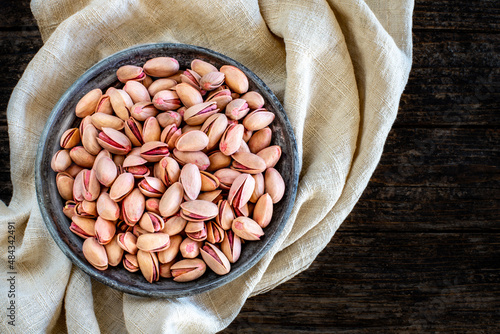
(420, 251)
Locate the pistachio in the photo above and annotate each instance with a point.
(147, 81)
(154, 151)
(198, 210)
(167, 170)
(211, 196)
(218, 160)
(137, 91)
(243, 147)
(215, 259)
(241, 190)
(149, 266)
(137, 230)
(114, 141)
(231, 246)
(169, 254)
(248, 163)
(151, 187)
(151, 222)
(222, 97)
(64, 183)
(191, 77)
(189, 248)
(70, 138)
(122, 186)
(187, 128)
(190, 179)
(259, 187)
(212, 80)
(169, 117)
(263, 210)
(254, 100)
(89, 140)
(274, 184)
(271, 155)
(143, 110)
(226, 177)
(153, 205)
(133, 207)
(235, 79)
(82, 227)
(107, 208)
(209, 182)
(198, 158)
(86, 186)
(136, 165)
(188, 95)
(226, 215)
(86, 209)
(81, 157)
(87, 104)
(151, 130)
(130, 263)
(165, 269)
(258, 119)
(202, 67)
(231, 139)
(74, 169)
(188, 270)
(214, 128)
(247, 228)
(198, 235)
(174, 225)
(121, 102)
(200, 112)
(171, 200)
(215, 233)
(69, 209)
(237, 109)
(170, 134)
(153, 242)
(114, 252)
(105, 171)
(260, 140)
(101, 120)
(161, 67)
(104, 230)
(95, 253)
(104, 105)
(128, 242)
(133, 130)
(192, 141)
(161, 84)
(166, 100)
(130, 72)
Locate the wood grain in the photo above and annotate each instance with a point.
(419, 252)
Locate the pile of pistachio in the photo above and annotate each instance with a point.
(170, 173)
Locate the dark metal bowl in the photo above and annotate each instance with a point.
(62, 117)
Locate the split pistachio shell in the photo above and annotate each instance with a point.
(218, 160)
(215, 259)
(167, 100)
(64, 183)
(212, 80)
(153, 242)
(211, 196)
(259, 187)
(215, 233)
(90, 187)
(192, 141)
(263, 210)
(209, 182)
(153, 205)
(199, 113)
(86, 209)
(151, 222)
(189, 248)
(107, 208)
(154, 151)
(165, 269)
(121, 102)
(260, 140)
(152, 187)
(171, 200)
(169, 117)
(133, 207)
(136, 165)
(130, 263)
(83, 227)
(81, 157)
(174, 225)
(133, 130)
(226, 177)
(89, 140)
(101, 120)
(161, 84)
(69, 209)
(128, 242)
(161, 67)
(241, 190)
(191, 181)
(104, 230)
(105, 171)
(70, 138)
(95, 253)
(60, 161)
(198, 210)
(142, 110)
(235, 79)
(274, 184)
(87, 104)
(104, 105)
(170, 134)
(248, 163)
(114, 252)
(191, 77)
(149, 266)
(188, 270)
(202, 67)
(221, 97)
(231, 246)
(130, 72)
(247, 228)
(226, 215)
(198, 158)
(122, 186)
(114, 141)
(237, 109)
(167, 170)
(231, 139)
(214, 128)
(137, 91)
(254, 100)
(271, 155)
(169, 254)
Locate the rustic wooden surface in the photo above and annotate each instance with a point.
(420, 251)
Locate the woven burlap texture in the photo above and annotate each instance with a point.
(338, 67)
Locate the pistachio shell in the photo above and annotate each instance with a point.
(169, 117)
(235, 79)
(64, 183)
(171, 200)
(191, 77)
(231, 139)
(226, 177)
(107, 208)
(169, 254)
(254, 100)
(248, 163)
(105, 171)
(212, 80)
(153, 242)
(121, 102)
(87, 104)
(130, 72)
(161, 84)
(81, 157)
(60, 161)
(89, 140)
(218, 160)
(258, 119)
(271, 155)
(209, 182)
(128, 242)
(83, 227)
(70, 138)
(149, 266)
(202, 67)
(122, 186)
(104, 105)
(215, 259)
(95, 253)
(237, 109)
(274, 184)
(263, 210)
(260, 140)
(214, 128)
(170, 134)
(104, 230)
(114, 141)
(198, 158)
(188, 95)
(188, 270)
(231, 246)
(190, 179)
(198, 113)
(198, 210)
(86, 209)
(174, 225)
(143, 110)
(101, 120)
(133, 207)
(192, 141)
(137, 91)
(151, 187)
(151, 222)
(241, 190)
(259, 187)
(211, 196)
(133, 130)
(114, 252)
(161, 67)
(247, 228)
(151, 130)
(215, 233)
(226, 215)
(189, 248)
(130, 263)
(153, 205)
(154, 151)
(167, 170)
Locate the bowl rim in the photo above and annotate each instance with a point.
(84, 266)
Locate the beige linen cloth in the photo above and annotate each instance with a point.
(338, 66)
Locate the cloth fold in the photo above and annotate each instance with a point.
(338, 67)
